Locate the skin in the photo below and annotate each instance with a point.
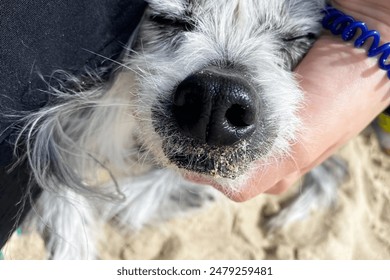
(344, 91)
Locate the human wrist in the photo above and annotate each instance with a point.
(346, 25)
(375, 13)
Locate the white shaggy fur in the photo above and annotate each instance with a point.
(110, 129)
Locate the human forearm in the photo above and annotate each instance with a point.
(344, 91)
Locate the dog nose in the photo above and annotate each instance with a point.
(216, 107)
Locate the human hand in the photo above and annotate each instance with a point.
(344, 91)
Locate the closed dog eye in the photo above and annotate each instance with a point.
(167, 21)
(309, 36)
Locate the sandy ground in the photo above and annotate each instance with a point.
(358, 227)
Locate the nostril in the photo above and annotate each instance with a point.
(191, 108)
(188, 113)
(183, 101)
(240, 116)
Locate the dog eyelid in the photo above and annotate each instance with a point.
(309, 36)
(171, 21)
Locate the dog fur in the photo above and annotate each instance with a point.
(106, 152)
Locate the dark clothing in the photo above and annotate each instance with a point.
(39, 37)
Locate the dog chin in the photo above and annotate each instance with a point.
(224, 185)
(201, 179)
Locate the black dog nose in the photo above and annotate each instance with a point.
(216, 107)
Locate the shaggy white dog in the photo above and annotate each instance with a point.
(203, 90)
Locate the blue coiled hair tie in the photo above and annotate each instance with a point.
(339, 23)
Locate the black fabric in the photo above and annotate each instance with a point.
(38, 37)
(15, 197)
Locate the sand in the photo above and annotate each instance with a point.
(358, 227)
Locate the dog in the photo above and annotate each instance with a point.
(202, 91)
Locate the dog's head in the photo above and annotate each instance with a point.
(216, 90)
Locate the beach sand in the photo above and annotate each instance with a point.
(357, 227)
